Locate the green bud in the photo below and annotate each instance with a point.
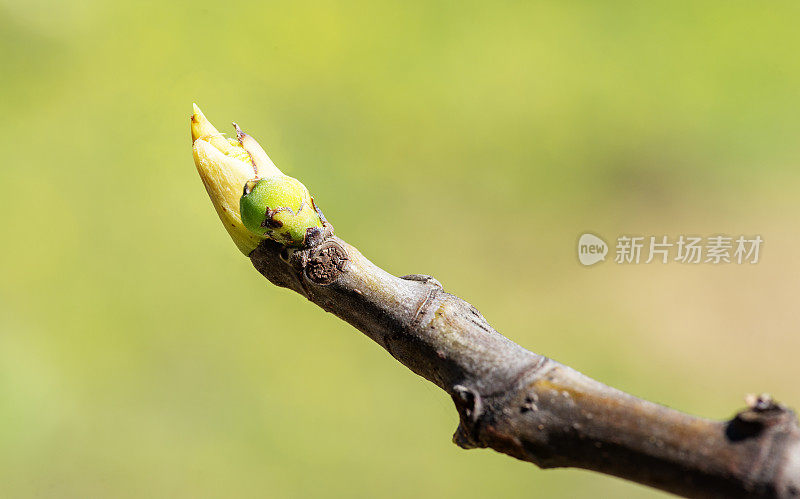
(279, 207)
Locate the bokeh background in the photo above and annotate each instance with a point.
(142, 356)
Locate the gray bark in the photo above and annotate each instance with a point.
(534, 408)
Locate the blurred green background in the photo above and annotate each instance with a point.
(142, 356)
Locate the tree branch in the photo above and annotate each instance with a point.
(508, 398)
(531, 407)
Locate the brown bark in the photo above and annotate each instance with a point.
(531, 407)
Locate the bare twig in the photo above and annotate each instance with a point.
(531, 407)
(508, 398)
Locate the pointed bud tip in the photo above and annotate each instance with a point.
(224, 169)
(200, 125)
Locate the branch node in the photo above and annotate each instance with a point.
(424, 278)
(469, 405)
(762, 412)
(327, 261)
(468, 402)
(463, 439)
